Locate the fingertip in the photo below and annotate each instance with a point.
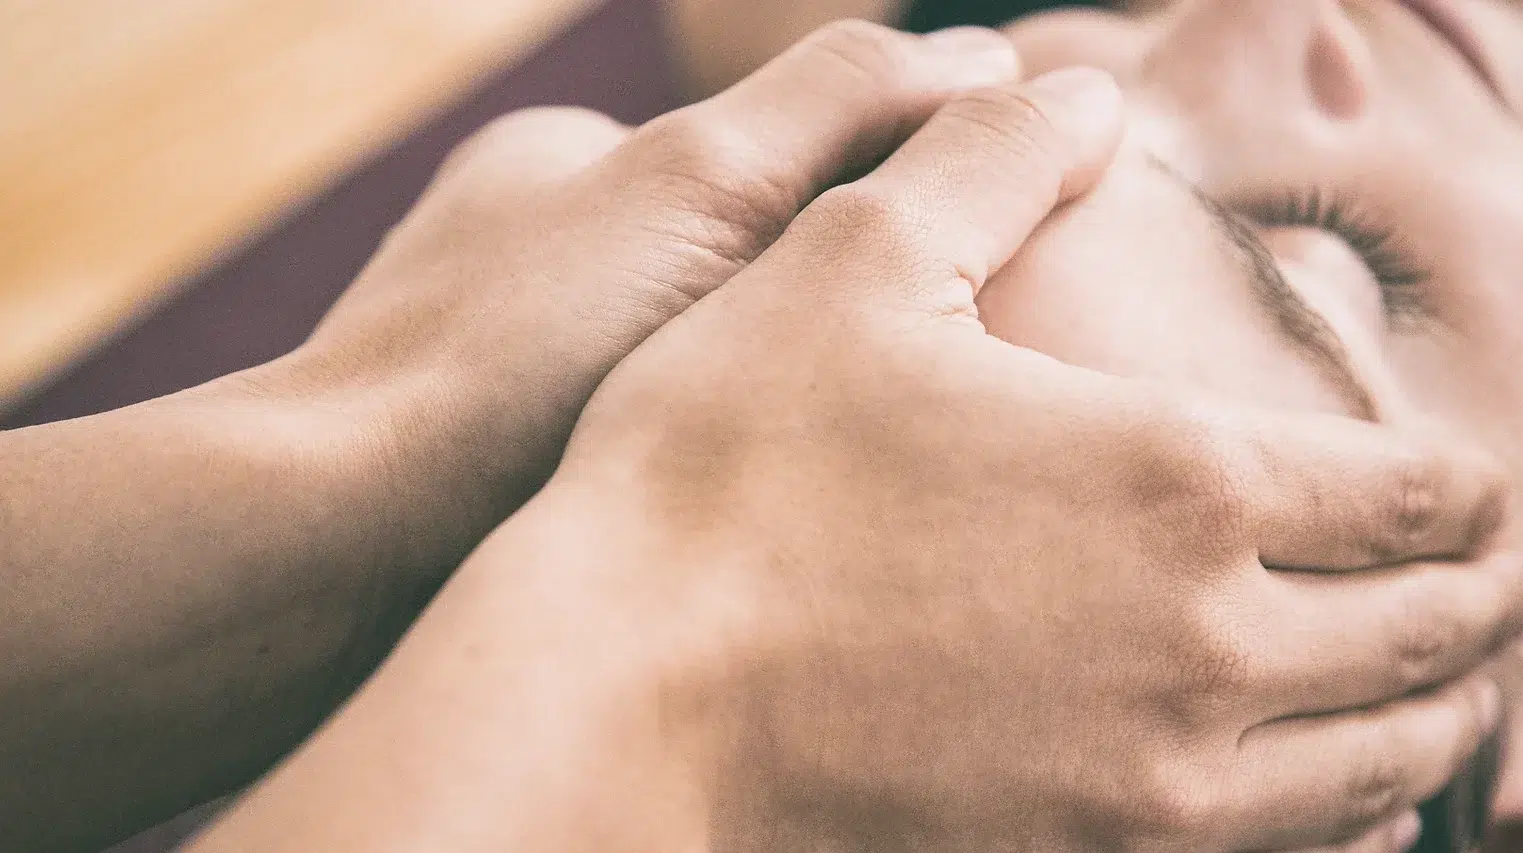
(1494, 504)
(1488, 706)
(1086, 108)
(1405, 832)
(1473, 711)
(1088, 89)
(968, 57)
(1472, 485)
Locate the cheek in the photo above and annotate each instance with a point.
(1115, 312)
(1334, 281)
(1468, 387)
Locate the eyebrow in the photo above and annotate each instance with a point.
(1306, 329)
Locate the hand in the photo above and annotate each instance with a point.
(1397, 835)
(827, 566)
(555, 241)
(979, 598)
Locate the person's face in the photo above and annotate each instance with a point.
(1380, 175)
(1319, 206)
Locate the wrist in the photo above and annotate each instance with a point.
(408, 446)
(375, 516)
(481, 439)
(662, 632)
(559, 673)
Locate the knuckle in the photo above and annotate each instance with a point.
(1174, 804)
(1470, 728)
(1181, 475)
(487, 139)
(1223, 664)
(515, 155)
(1503, 614)
(561, 119)
(690, 142)
(1214, 669)
(1498, 497)
(1466, 726)
(864, 51)
(1423, 640)
(1375, 789)
(701, 166)
(1411, 511)
(859, 213)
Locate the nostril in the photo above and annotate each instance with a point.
(1334, 75)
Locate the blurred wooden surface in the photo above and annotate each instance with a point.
(139, 140)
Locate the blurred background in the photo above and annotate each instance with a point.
(189, 184)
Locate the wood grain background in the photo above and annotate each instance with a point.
(140, 141)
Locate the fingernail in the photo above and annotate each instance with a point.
(981, 57)
(1408, 828)
(1491, 706)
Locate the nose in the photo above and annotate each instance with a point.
(1257, 60)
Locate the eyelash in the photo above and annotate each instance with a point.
(1401, 279)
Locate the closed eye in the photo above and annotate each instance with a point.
(1303, 326)
(1402, 280)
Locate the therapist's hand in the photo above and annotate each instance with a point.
(556, 240)
(921, 584)
(827, 567)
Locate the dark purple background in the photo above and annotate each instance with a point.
(265, 298)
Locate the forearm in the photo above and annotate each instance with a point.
(191, 585)
(525, 711)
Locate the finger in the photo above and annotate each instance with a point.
(860, 90)
(1359, 639)
(749, 159)
(533, 148)
(1333, 493)
(1394, 836)
(959, 198)
(1316, 780)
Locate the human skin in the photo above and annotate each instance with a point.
(191, 585)
(1266, 101)
(1364, 103)
(819, 610)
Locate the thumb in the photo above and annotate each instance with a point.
(966, 191)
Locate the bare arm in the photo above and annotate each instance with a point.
(749, 612)
(191, 585)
